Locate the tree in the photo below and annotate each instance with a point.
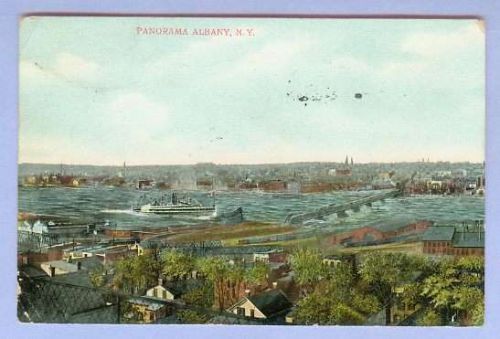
(430, 318)
(136, 273)
(192, 317)
(235, 279)
(456, 290)
(176, 265)
(216, 269)
(227, 279)
(202, 296)
(336, 300)
(309, 268)
(383, 272)
(123, 278)
(257, 274)
(97, 277)
(145, 271)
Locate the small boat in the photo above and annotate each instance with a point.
(234, 216)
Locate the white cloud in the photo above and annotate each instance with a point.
(349, 64)
(135, 115)
(275, 55)
(73, 67)
(433, 44)
(128, 126)
(402, 68)
(272, 58)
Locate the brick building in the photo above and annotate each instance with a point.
(413, 228)
(468, 243)
(370, 234)
(438, 240)
(447, 240)
(361, 234)
(273, 186)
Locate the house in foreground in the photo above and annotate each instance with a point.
(147, 310)
(269, 305)
(163, 292)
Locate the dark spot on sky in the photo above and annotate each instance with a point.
(358, 95)
(288, 94)
(303, 98)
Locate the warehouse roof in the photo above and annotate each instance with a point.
(439, 233)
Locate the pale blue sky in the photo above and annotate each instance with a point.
(95, 92)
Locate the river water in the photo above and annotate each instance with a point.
(114, 204)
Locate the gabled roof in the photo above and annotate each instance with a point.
(271, 302)
(176, 291)
(439, 233)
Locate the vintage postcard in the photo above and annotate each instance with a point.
(257, 171)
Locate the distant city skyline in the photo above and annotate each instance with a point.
(93, 91)
(247, 164)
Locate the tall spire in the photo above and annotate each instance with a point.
(346, 160)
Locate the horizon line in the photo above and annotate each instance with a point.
(253, 164)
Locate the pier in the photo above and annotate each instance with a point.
(341, 209)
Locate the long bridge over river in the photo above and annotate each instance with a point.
(341, 209)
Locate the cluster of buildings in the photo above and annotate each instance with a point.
(69, 268)
(454, 240)
(52, 180)
(433, 178)
(72, 252)
(447, 182)
(269, 302)
(72, 262)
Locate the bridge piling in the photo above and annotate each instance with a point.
(341, 210)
